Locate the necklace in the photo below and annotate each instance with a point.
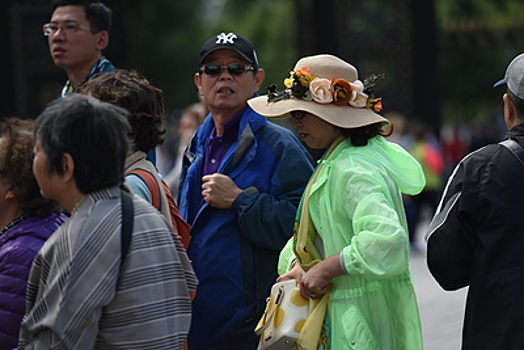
(13, 223)
(75, 208)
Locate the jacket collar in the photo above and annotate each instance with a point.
(517, 130)
(32, 226)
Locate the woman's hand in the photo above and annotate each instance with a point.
(317, 281)
(294, 274)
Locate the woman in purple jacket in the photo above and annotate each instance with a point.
(27, 220)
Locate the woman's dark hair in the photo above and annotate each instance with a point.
(94, 133)
(360, 136)
(17, 167)
(97, 14)
(143, 101)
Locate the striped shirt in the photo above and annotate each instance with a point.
(103, 65)
(77, 298)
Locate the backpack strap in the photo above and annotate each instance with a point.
(127, 224)
(180, 227)
(151, 183)
(179, 224)
(515, 149)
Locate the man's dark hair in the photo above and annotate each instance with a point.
(97, 14)
(94, 133)
(143, 101)
(518, 105)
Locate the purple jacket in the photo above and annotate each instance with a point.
(18, 247)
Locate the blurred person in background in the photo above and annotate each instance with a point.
(192, 117)
(77, 34)
(426, 149)
(27, 220)
(401, 133)
(454, 146)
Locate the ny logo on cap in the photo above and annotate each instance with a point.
(226, 38)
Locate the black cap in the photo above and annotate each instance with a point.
(230, 41)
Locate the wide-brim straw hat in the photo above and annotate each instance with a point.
(321, 66)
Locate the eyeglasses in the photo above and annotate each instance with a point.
(214, 69)
(68, 27)
(297, 114)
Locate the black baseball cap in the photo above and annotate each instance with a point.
(230, 41)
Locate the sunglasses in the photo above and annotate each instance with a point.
(214, 69)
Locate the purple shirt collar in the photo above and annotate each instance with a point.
(218, 146)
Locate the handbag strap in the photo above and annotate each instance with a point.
(515, 149)
(127, 225)
(271, 307)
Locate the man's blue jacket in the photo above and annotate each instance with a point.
(235, 251)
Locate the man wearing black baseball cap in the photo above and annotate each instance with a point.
(476, 236)
(230, 41)
(242, 182)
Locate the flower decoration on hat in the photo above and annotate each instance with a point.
(303, 85)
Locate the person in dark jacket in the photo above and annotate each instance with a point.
(245, 179)
(475, 238)
(27, 220)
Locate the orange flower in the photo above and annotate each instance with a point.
(376, 104)
(303, 71)
(341, 91)
(304, 76)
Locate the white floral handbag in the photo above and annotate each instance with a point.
(285, 315)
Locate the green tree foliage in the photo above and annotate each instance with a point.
(271, 26)
(478, 38)
(167, 36)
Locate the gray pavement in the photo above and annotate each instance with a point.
(441, 312)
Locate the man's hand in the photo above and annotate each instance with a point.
(219, 190)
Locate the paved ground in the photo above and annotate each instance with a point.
(441, 312)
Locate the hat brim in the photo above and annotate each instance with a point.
(341, 116)
(500, 82)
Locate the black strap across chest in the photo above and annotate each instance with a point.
(127, 224)
(515, 149)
